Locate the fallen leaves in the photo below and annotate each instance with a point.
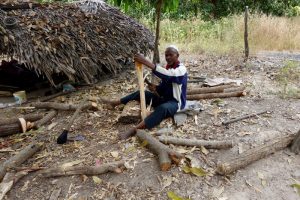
(194, 170)
(174, 196)
(97, 180)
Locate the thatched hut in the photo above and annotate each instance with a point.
(78, 40)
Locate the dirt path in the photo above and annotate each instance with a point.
(269, 178)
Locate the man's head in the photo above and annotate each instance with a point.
(171, 54)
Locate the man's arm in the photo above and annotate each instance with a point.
(140, 58)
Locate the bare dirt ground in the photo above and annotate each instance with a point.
(268, 178)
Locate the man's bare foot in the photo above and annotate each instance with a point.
(127, 134)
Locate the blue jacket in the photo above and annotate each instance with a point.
(173, 84)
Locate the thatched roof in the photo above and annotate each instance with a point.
(78, 39)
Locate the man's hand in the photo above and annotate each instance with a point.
(141, 59)
(152, 87)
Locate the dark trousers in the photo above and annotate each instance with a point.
(162, 108)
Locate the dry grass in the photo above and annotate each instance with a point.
(226, 35)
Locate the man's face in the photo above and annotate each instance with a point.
(171, 56)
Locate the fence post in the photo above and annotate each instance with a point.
(246, 35)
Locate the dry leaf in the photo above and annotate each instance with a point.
(174, 196)
(114, 154)
(297, 187)
(84, 178)
(218, 191)
(194, 170)
(97, 180)
(204, 150)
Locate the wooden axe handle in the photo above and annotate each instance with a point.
(139, 72)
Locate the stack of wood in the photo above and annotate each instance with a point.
(223, 91)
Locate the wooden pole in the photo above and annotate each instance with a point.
(216, 95)
(246, 35)
(139, 72)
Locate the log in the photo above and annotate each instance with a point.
(63, 106)
(215, 95)
(6, 130)
(139, 72)
(246, 34)
(242, 160)
(234, 89)
(205, 90)
(47, 98)
(296, 144)
(19, 6)
(29, 117)
(78, 170)
(19, 158)
(45, 119)
(243, 117)
(131, 113)
(164, 153)
(9, 180)
(197, 143)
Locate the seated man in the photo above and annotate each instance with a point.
(167, 98)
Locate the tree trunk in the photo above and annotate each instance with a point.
(156, 58)
(216, 95)
(19, 158)
(9, 180)
(10, 129)
(248, 157)
(197, 143)
(86, 170)
(164, 153)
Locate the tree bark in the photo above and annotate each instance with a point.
(62, 106)
(243, 117)
(160, 150)
(45, 119)
(21, 157)
(296, 144)
(29, 117)
(216, 95)
(87, 170)
(248, 157)
(205, 90)
(131, 113)
(156, 58)
(246, 35)
(197, 143)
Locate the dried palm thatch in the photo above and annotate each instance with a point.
(78, 39)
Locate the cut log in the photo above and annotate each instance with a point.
(45, 119)
(86, 170)
(47, 98)
(21, 157)
(139, 72)
(234, 89)
(243, 117)
(29, 117)
(296, 144)
(197, 143)
(63, 106)
(131, 113)
(205, 90)
(10, 129)
(216, 95)
(160, 150)
(9, 180)
(242, 160)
